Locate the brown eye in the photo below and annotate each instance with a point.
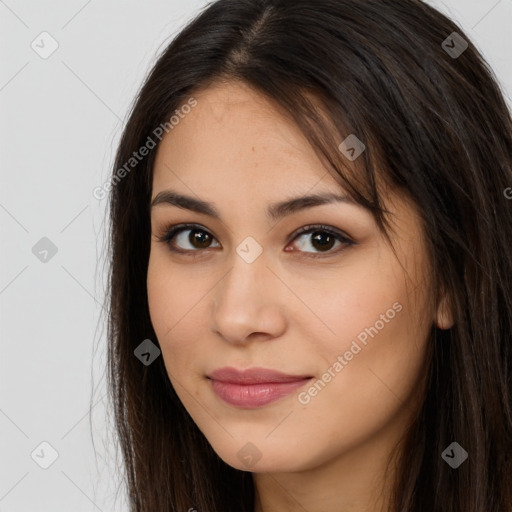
(185, 238)
(201, 238)
(193, 239)
(321, 240)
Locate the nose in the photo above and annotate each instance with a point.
(249, 303)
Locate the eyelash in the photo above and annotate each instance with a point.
(171, 231)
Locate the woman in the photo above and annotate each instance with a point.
(310, 269)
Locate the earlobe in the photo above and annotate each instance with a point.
(444, 314)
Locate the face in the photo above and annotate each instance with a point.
(334, 309)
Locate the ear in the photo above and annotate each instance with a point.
(444, 314)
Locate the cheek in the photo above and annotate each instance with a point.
(177, 297)
(161, 303)
(377, 327)
(170, 303)
(171, 292)
(348, 302)
(365, 385)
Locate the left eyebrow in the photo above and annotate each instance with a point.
(275, 211)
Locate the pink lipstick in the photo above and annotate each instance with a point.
(254, 387)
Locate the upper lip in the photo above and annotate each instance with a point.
(253, 376)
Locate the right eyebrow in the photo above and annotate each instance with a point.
(275, 211)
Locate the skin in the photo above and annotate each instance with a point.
(286, 310)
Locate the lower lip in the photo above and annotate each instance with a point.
(250, 396)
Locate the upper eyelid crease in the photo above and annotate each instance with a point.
(275, 211)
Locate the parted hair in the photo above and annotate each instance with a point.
(437, 129)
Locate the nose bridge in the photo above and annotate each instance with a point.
(243, 283)
(246, 300)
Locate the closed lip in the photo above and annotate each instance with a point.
(254, 375)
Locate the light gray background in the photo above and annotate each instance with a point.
(61, 119)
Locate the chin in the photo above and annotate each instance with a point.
(264, 456)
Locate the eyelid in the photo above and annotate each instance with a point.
(321, 227)
(171, 230)
(341, 236)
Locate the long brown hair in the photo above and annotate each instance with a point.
(435, 126)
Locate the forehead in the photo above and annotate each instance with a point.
(235, 135)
